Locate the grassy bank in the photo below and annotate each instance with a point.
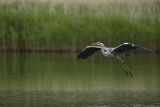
(71, 25)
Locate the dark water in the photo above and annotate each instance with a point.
(60, 80)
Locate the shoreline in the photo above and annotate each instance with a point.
(39, 50)
(49, 51)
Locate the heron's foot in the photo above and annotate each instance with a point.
(126, 72)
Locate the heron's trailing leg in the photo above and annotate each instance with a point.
(125, 67)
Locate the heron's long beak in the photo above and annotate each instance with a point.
(95, 43)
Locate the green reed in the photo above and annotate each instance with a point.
(68, 26)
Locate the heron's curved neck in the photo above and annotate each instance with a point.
(103, 47)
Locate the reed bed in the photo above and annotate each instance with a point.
(71, 24)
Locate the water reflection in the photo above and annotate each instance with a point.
(53, 79)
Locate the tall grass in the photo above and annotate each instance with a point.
(70, 25)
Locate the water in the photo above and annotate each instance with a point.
(60, 80)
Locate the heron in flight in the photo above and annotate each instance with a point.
(112, 52)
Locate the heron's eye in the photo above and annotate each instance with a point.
(105, 50)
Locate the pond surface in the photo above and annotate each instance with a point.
(60, 80)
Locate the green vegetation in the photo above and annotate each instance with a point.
(61, 26)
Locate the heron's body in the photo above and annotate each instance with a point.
(107, 52)
(111, 52)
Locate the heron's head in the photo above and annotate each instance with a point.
(98, 44)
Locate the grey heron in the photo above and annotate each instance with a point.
(111, 52)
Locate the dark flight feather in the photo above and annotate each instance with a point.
(127, 47)
(88, 51)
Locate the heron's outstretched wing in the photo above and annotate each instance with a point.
(128, 46)
(88, 51)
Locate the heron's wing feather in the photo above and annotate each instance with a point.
(127, 47)
(143, 49)
(124, 47)
(88, 51)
